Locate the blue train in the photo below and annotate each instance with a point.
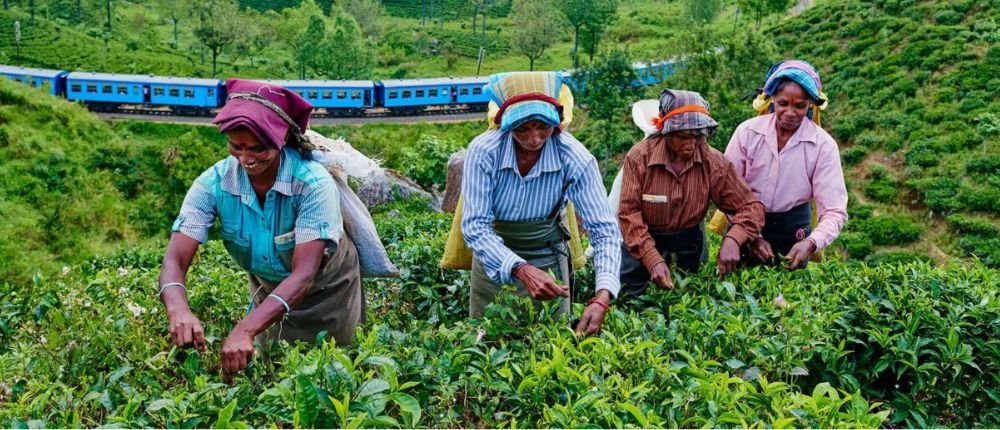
(166, 95)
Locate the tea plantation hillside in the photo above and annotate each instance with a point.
(837, 345)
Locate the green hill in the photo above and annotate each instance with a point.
(74, 187)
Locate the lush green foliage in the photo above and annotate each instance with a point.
(709, 353)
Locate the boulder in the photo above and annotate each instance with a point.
(453, 183)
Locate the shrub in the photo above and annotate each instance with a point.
(891, 230)
(857, 245)
(853, 155)
(965, 224)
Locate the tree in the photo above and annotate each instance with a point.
(257, 33)
(368, 14)
(346, 53)
(603, 14)
(301, 29)
(702, 11)
(537, 27)
(763, 8)
(577, 12)
(218, 26)
(609, 90)
(175, 10)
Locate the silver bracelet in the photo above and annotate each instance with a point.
(283, 302)
(170, 284)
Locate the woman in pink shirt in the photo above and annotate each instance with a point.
(788, 160)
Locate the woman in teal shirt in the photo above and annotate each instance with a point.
(281, 221)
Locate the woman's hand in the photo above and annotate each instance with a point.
(660, 275)
(539, 284)
(800, 254)
(593, 316)
(729, 256)
(186, 330)
(761, 251)
(237, 353)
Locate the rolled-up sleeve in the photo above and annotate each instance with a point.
(477, 219)
(198, 210)
(588, 195)
(319, 214)
(830, 194)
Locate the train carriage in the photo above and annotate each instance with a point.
(442, 95)
(111, 91)
(51, 81)
(334, 98)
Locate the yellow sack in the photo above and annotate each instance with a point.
(458, 256)
(719, 222)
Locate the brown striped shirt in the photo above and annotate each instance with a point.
(655, 198)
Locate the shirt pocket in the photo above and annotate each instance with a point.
(237, 245)
(656, 212)
(285, 244)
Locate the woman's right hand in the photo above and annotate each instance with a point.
(760, 250)
(661, 276)
(539, 284)
(186, 330)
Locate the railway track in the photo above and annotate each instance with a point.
(204, 120)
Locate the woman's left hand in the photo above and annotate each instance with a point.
(237, 353)
(800, 254)
(729, 256)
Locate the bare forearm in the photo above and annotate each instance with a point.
(292, 290)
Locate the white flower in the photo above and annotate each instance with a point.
(123, 291)
(480, 334)
(780, 301)
(136, 309)
(65, 270)
(123, 272)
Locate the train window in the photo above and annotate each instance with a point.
(327, 95)
(92, 88)
(477, 91)
(302, 93)
(432, 92)
(313, 95)
(341, 95)
(211, 91)
(174, 92)
(463, 91)
(420, 93)
(123, 89)
(106, 89)
(34, 83)
(355, 95)
(406, 94)
(393, 94)
(158, 91)
(189, 93)
(75, 88)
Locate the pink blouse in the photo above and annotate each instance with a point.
(807, 168)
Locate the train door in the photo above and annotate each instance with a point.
(368, 98)
(145, 94)
(454, 94)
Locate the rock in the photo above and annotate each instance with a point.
(453, 183)
(387, 186)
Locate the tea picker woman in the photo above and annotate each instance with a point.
(517, 179)
(281, 222)
(788, 160)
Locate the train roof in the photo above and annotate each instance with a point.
(143, 79)
(44, 73)
(434, 81)
(329, 83)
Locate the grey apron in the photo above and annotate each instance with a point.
(541, 243)
(335, 302)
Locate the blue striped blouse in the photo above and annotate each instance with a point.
(494, 190)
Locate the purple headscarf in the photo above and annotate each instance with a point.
(269, 111)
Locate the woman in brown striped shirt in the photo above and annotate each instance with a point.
(667, 183)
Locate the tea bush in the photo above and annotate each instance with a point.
(891, 229)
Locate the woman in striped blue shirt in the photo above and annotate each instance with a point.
(281, 222)
(516, 182)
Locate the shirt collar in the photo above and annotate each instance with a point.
(547, 162)
(766, 125)
(238, 183)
